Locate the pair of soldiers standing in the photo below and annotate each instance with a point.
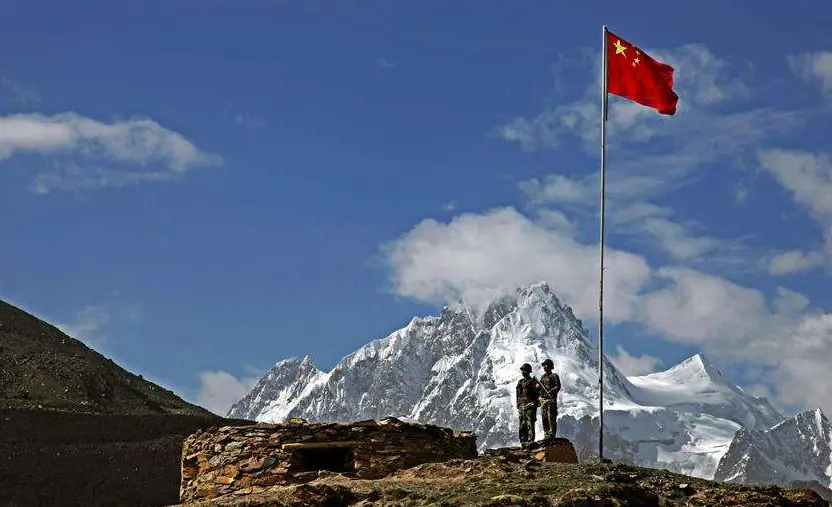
(531, 393)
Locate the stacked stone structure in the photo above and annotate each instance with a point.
(248, 459)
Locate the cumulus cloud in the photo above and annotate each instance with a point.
(814, 68)
(161, 153)
(479, 256)
(696, 307)
(219, 390)
(634, 365)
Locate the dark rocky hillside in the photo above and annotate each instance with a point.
(77, 429)
(42, 368)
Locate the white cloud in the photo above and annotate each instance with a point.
(794, 261)
(626, 214)
(384, 63)
(740, 193)
(137, 142)
(449, 206)
(697, 307)
(251, 120)
(219, 390)
(556, 221)
(814, 68)
(86, 325)
(477, 257)
(19, 94)
(702, 77)
(557, 189)
(701, 80)
(632, 365)
(808, 178)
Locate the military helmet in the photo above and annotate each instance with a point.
(548, 362)
(526, 367)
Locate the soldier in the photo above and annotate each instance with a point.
(528, 399)
(549, 388)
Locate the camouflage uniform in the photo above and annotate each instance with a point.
(527, 402)
(549, 403)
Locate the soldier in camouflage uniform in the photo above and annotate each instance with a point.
(527, 402)
(549, 388)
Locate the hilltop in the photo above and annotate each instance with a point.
(508, 480)
(41, 368)
(77, 429)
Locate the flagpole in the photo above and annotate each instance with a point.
(601, 246)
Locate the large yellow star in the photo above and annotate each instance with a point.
(620, 48)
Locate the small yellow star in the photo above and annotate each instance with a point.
(620, 48)
(635, 61)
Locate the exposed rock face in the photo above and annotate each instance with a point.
(248, 459)
(797, 449)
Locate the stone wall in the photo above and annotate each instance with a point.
(248, 459)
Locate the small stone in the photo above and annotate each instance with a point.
(507, 500)
(224, 480)
(234, 445)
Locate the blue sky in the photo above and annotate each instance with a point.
(200, 189)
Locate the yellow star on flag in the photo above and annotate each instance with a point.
(620, 48)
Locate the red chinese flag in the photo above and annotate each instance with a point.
(634, 75)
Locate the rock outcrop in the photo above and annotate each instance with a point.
(495, 480)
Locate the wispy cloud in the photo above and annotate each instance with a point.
(146, 150)
(251, 120)
(655, 155)
(631, 214)
(86, 325)
(815, 68)
(384, 63)
(18, 94)
(702, 80)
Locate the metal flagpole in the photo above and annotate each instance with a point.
(601, 246)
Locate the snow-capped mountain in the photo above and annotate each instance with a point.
(459, 370)
(797, 449)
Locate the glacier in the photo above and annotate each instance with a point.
(458, 369)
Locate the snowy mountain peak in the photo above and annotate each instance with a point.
(797, 449)
(459, 369)
(695, 369)
(282, 386)
(813, 420)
